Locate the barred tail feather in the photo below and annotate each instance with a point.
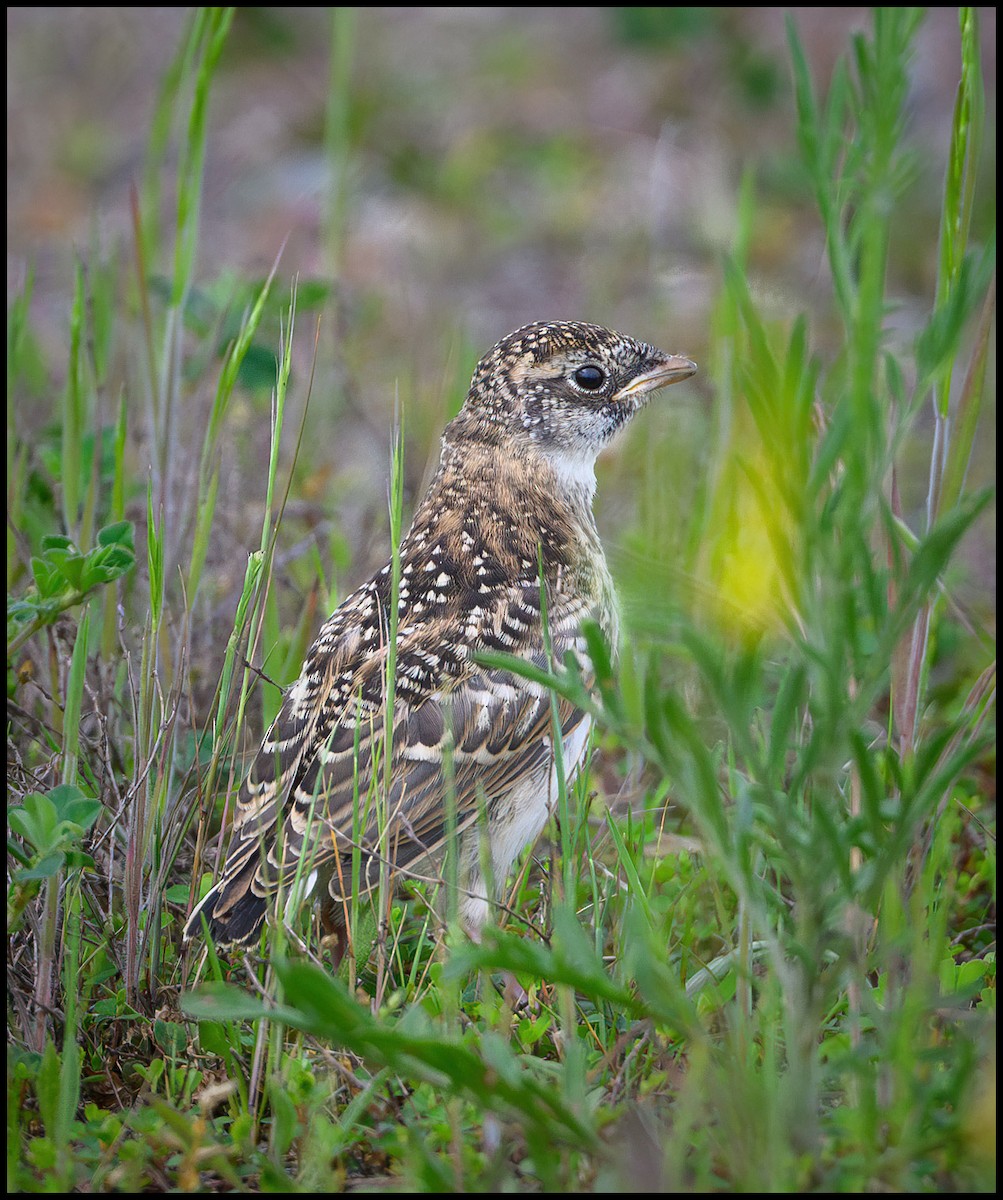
(233, 913)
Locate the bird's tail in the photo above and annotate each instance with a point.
(234, 913)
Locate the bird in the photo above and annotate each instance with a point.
(502, 557)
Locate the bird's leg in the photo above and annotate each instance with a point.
(473, 914)
(514, 994)
(334, 921)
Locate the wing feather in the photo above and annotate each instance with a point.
(315, 788)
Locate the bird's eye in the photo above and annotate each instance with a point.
(590, 378)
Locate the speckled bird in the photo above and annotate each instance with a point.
(505, 530)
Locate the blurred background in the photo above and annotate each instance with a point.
(433, 178)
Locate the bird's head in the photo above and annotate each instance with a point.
(563, 390)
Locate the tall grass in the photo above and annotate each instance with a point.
(766, 969)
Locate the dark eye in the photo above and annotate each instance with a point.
(590, 378)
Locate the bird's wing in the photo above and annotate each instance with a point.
(463, 735)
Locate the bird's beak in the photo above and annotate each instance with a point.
(670, 369)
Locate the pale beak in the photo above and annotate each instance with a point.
(671, 369)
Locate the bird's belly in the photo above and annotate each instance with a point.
(520, 819)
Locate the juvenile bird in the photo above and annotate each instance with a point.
(471, 753)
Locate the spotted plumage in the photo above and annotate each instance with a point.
(471, 754)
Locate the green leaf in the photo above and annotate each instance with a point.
(51, 824)
(48, 579)
(285, 1124)
(121, 533)
(170, 1037)
(938, 343)
(936, 549)
(44, 868)
(35, 820)
(47, 1090)
(70, 564)
(104, 566)
(213, 1038)
(74, 807)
